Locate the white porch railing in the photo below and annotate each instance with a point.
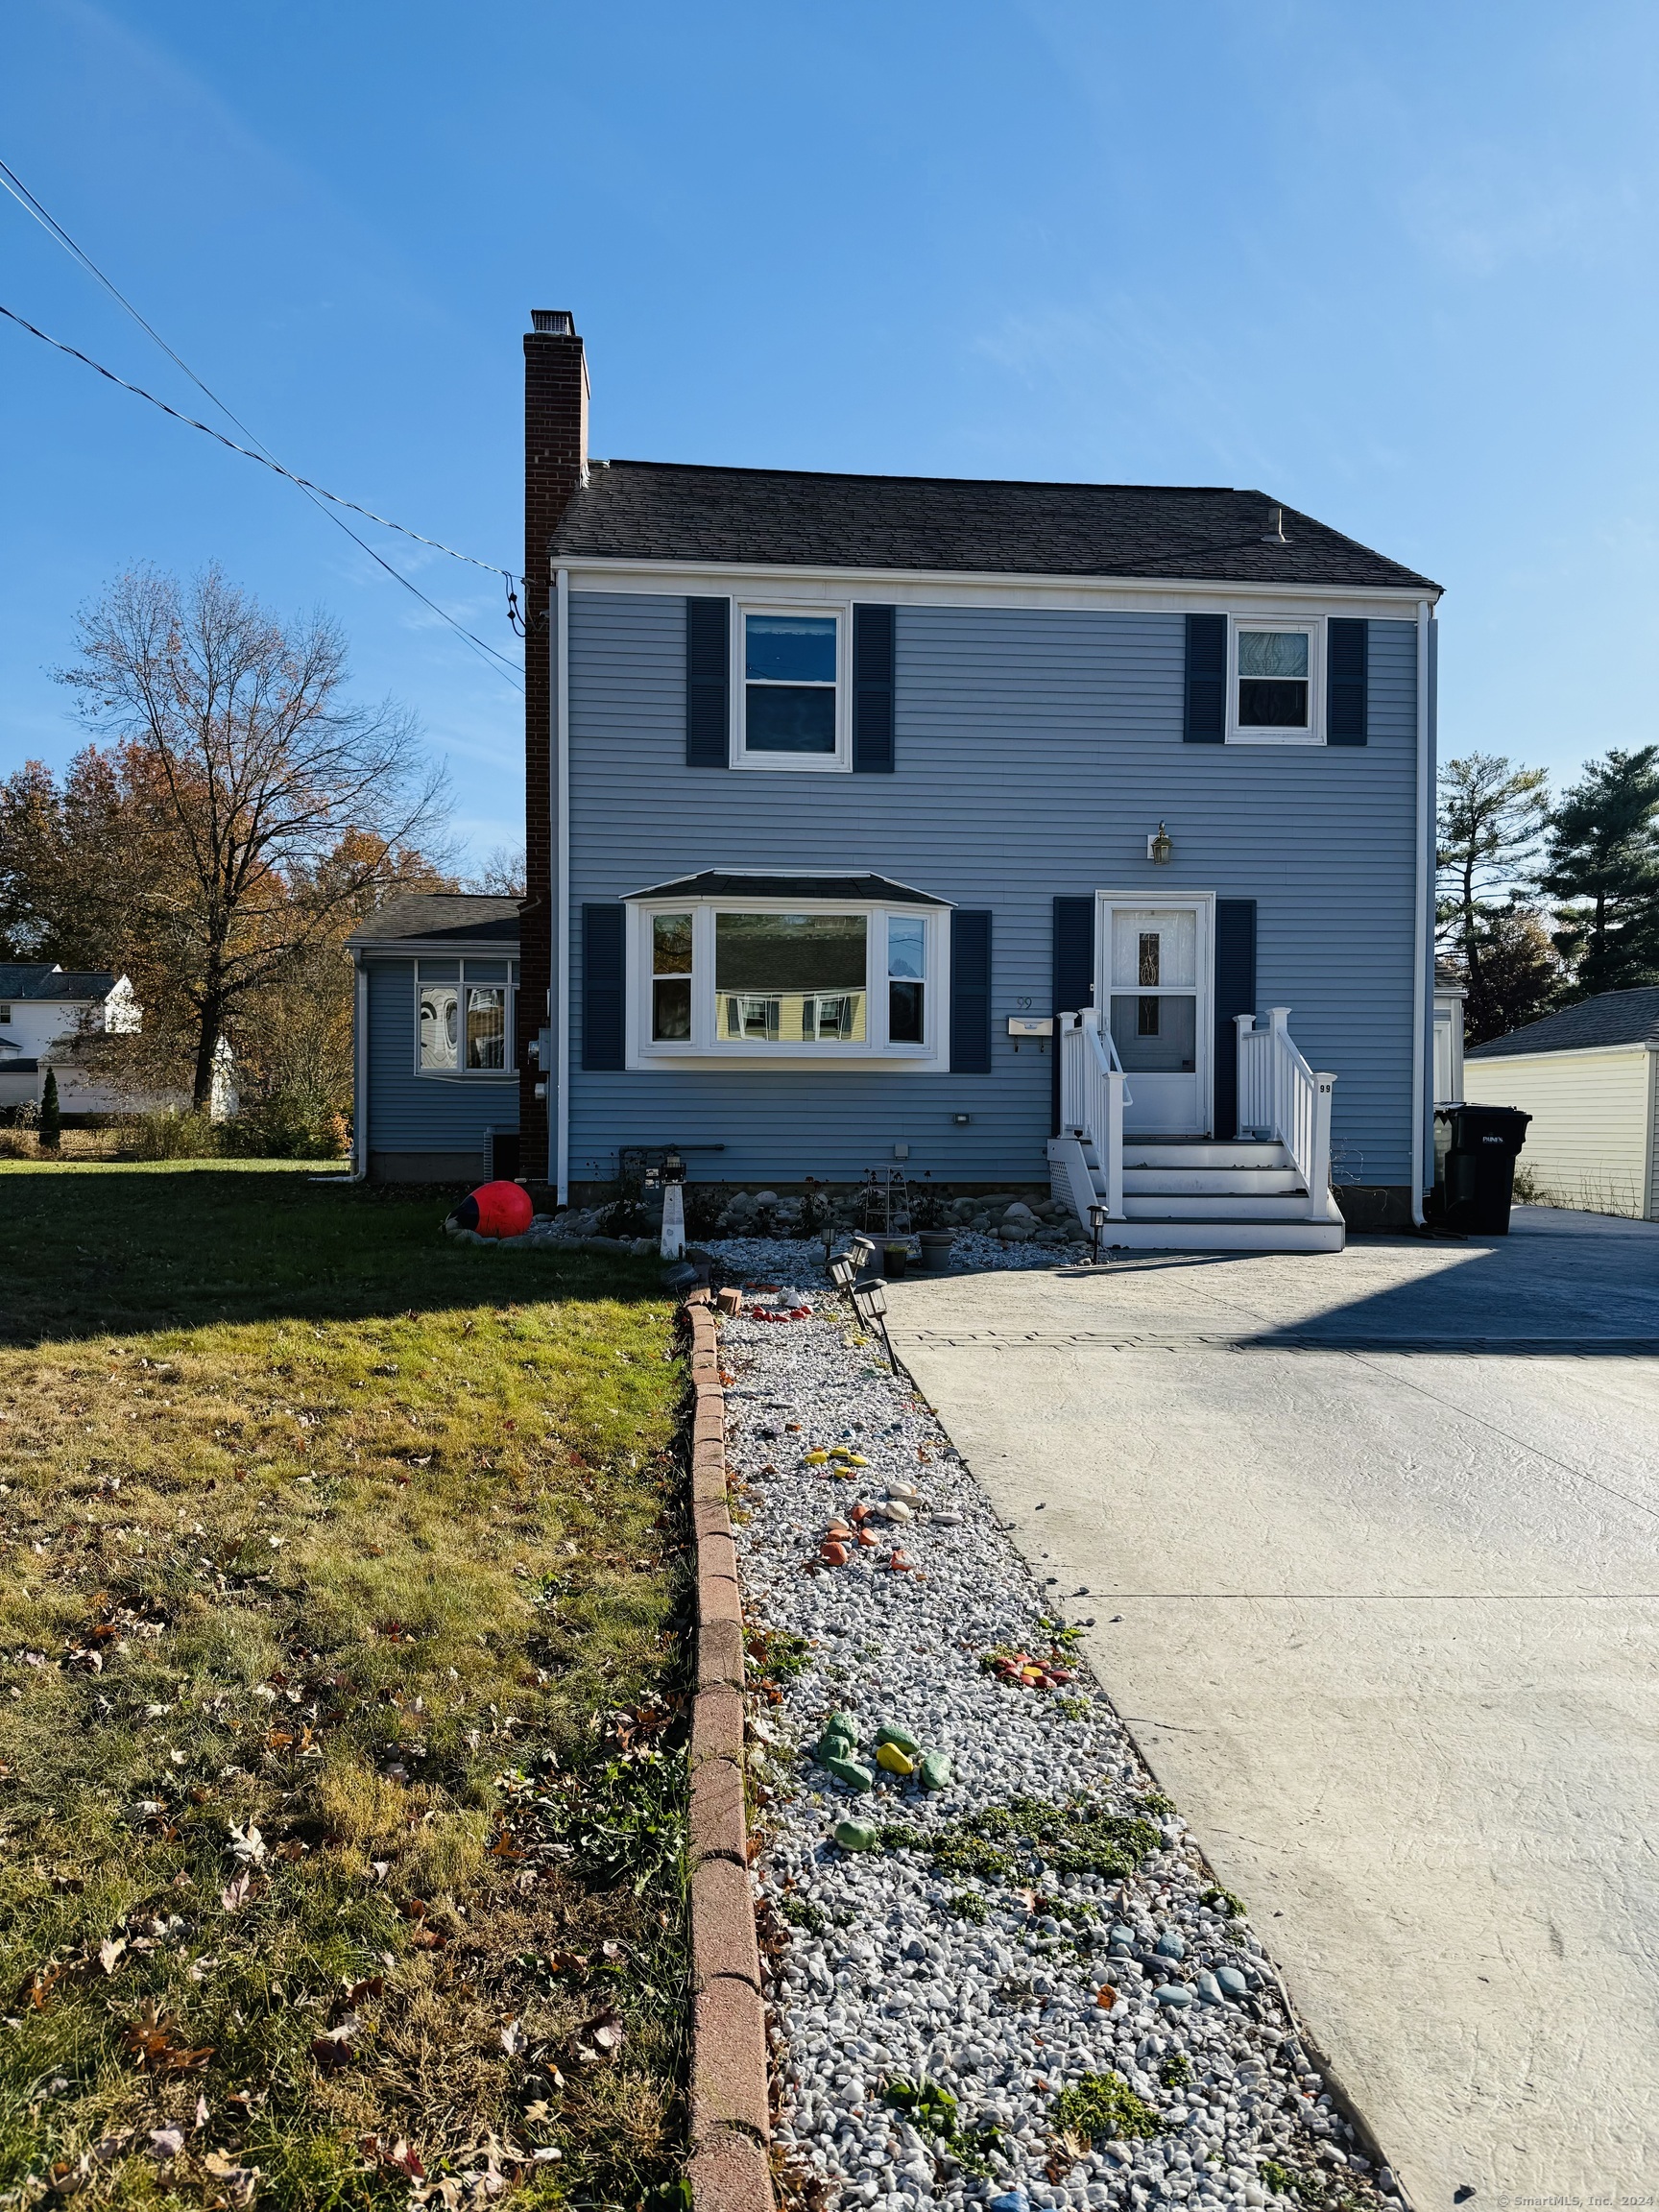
(1280, 1096)
(1093, 1095)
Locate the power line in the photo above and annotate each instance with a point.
(317, 493)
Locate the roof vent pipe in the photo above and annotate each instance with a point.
(1274, 534)
(553, 322)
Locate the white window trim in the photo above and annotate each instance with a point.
(1315, 628)
(932, 1057)
(838, 763)
(461, 1073)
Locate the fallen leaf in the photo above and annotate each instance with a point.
(513, 2038)
(201, 2113)
(336, 2048)
(240, 2181)
(247, 1843)
(166, 2142)
(235, 1894)
(110, 1952)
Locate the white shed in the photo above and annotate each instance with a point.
(1589, 1076)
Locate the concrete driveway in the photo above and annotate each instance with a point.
(1369, 1542)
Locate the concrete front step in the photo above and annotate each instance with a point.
(1228, 1182)
(1226, 1235)
(1202, 1153)
(1212, 1206)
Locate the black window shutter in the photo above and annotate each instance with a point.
(1206, 721)
(1234, 994)
(1347, 654)
(970, 993)
(873, 690)
(1073, 972)
(708, 683)
(602, 987)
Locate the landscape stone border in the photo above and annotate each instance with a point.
(730, 2169)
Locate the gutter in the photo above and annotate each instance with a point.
(1422, 945)
(559, 1167)
(359, 1069)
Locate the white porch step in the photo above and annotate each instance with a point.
(1238, 1152)
(1195, 1182)
(1217, 1205)
(1226, 1235)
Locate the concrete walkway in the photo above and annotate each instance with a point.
(1371, 1547)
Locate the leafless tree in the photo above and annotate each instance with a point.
(502, 872)
(258, 772)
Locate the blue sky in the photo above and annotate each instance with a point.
(1396, 267)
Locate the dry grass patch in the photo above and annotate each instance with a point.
(341, 1651)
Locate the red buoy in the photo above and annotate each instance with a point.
(496, 1210)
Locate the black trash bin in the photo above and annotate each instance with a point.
(1480, 1166)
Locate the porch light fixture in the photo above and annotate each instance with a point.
(1097, 1219)
(1161, 847)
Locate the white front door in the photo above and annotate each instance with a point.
(1157, 1005)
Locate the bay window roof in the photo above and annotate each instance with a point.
(721, 883)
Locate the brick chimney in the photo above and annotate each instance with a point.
(555, 467)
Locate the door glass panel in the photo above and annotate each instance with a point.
(1157, 948)
(1156, 1036)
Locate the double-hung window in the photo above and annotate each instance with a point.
(465, 1016)
(1276, 683)
(778, 982)
(792, 704)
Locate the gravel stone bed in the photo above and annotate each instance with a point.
(983, 1978)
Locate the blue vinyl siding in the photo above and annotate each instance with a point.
(412, 1112)
(1035, 751)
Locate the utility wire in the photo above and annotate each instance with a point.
(317, 493)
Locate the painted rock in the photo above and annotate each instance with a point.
(898, 1510)
(1171, 1944)
(814, 1459)
(906, 1491)
(832, 1554)
(895, 1761)
(1106, 1997)
(854, 1836)
(1210, 1990)
(1011, 2200)
(842, 1724)
(934, 1773)
(1173, 1996)
(849, 1770)
(890, 1733)
(1122, 1941)
(832, 1745)
(1232, 1982)
(946, 1519)
(857, 1460)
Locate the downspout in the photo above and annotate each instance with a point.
(359, 1069)
(1422, 945)
(560, 1165)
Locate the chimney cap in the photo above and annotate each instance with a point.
(553, 322)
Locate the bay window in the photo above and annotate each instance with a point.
(787, 981)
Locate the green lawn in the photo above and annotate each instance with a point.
(342, 1677)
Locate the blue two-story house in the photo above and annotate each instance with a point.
(1016, 833)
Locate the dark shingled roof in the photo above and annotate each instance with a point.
(39, 979)
(1611, 1018)
(459, 918)
(713, 883)
(668, 511)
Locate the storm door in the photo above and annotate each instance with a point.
(1158, 997)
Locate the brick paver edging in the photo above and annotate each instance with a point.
(731, 2120)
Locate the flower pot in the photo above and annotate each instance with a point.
(895, 1260)
(936, 1247)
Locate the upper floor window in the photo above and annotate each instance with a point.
(792, 704)
(465, 1015)
(5, 1012)
(1275, 682)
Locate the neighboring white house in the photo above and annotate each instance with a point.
(1449, 996)
(46, 1013)
(1589, 1076)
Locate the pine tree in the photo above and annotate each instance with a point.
(50, 1118)
(1490, 832)
(1605, 867)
